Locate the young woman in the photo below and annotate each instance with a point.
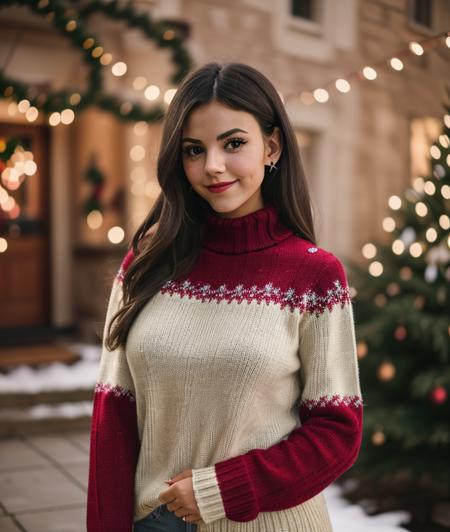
(228, 395)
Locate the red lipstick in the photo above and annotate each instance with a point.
(220, 187)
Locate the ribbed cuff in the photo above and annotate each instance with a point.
(236, 488)
(207, 494)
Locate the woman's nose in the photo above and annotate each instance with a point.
(214, 162)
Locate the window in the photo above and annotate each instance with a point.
(423, 132)
(303, 9)
(421, 12)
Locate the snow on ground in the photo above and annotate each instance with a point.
(346, 517)
(69, 410)
(55, 376)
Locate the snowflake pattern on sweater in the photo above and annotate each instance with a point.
(245, 372)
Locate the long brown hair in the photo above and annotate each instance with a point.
(180, 211)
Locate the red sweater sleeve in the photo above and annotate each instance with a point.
(114, 439)
(328, 440)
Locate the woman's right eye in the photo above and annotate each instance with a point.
(187, 151)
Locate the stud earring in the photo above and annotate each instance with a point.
(272, 167)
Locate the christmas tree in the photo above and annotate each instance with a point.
(402, 316)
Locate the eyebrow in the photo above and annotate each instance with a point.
(221, 136)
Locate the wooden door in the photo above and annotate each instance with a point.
(24, 264)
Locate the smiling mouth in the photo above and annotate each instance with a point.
(221, 185)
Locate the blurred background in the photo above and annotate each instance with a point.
(83, 91)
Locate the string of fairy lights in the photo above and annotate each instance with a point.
(371, 72)
(68, 22)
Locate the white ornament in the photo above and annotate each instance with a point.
(431, 272)
(438, 255)
(408, 236)
(312, 250)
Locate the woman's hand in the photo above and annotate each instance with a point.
(180, 498)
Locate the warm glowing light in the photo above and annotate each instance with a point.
(3, 245)
(415, 249)
(445, 191)
(418, 184)
(119, 68)
(94, 219)
(67, 116)
(140, 128)
(106, 59)
(12, 109)
(394, 203)
(375, 268)
(88, 43)
(126, 108)
(23, 105)
(396, 63)
(444, 141)
(444, 221)
(54, 119)
(151, 92)
(71, 25)
(388, 224)
(9, 204)
(321, 95)
(416, 48)
(29, 168)
(75, 98)
(168, 95)
(435, 152)
(429, 188)
(306, 98)
(168, 35)
(342, 85)
(369, 251)
(116, 234)
(97, 51)
(431, 234)
(421, 209)
(369, 73)
(398, 247)
(31, 114)
(137, 153)
(152, 189)
(139, 83)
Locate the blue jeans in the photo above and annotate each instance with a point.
(163, 520)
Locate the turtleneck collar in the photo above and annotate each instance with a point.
(257, 230)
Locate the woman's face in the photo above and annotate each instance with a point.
(221, 145)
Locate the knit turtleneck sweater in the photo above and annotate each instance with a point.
(244, 371)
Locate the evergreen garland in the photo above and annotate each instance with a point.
(70, 21)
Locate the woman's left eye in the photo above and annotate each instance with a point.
(238, 140)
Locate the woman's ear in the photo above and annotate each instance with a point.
(274, 145)
(147, 236)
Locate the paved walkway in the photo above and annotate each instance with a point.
(43, 482)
